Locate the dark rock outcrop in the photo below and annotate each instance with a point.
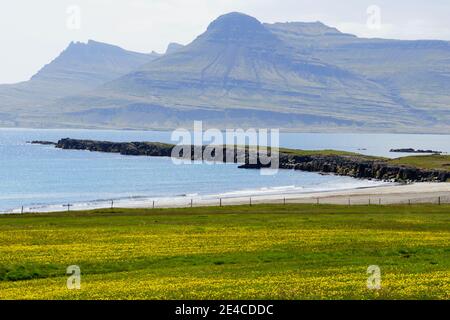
(345, 165)
(411, 150)
(47, 143)
(361, 168)
(126, 148)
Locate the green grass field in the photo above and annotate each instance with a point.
(242, 252)
(435, 161)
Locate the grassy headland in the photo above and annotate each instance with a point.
(328, 152)
(242, 252)
(326, 161)
(435, 161)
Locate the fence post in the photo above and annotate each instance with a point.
(220, 201)
(284, 201)
(409, 201)
(349, 202)
(379, 201)
(439, 200)
(112, 204)
(192, 203)
(250, 201)
(153, 207)
(21, 210)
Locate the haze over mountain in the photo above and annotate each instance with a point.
(416, 73)
(173, 46)
(80, 67)
(303, 76)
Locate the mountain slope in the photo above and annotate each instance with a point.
(240, 73)
(172, 47)
(79, 68)
(417, 73)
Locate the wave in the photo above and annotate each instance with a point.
(184, 199)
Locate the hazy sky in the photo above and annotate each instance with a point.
(32, 33)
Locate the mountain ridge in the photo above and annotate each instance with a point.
(79, 67)
(238, 56)
(295, 75)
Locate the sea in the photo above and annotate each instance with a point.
(43, 178)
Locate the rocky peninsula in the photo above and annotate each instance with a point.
(328, 162)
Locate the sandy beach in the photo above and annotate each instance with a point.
(389, 194)
(398, 194)
(379, 195)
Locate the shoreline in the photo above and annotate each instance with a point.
(313, 130)
(341, 163)
(382, 174)
(388, 194)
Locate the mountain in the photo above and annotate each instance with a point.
(89, 65)
(301, 76)
(240, 73)
(80, 67)
(417, 73)
(173, 46)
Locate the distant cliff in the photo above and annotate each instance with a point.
(340, 163)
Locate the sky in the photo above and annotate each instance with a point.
(33, 33)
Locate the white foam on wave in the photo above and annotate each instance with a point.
(185, 200)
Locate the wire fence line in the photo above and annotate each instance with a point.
(336, 200)
(441, 198)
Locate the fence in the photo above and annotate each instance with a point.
(185, 202)
(330, 200)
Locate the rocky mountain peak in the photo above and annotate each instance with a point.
(237, 27)
(173, 47)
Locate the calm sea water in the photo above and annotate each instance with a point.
(36, 175)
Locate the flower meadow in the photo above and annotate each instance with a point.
(242, 252)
